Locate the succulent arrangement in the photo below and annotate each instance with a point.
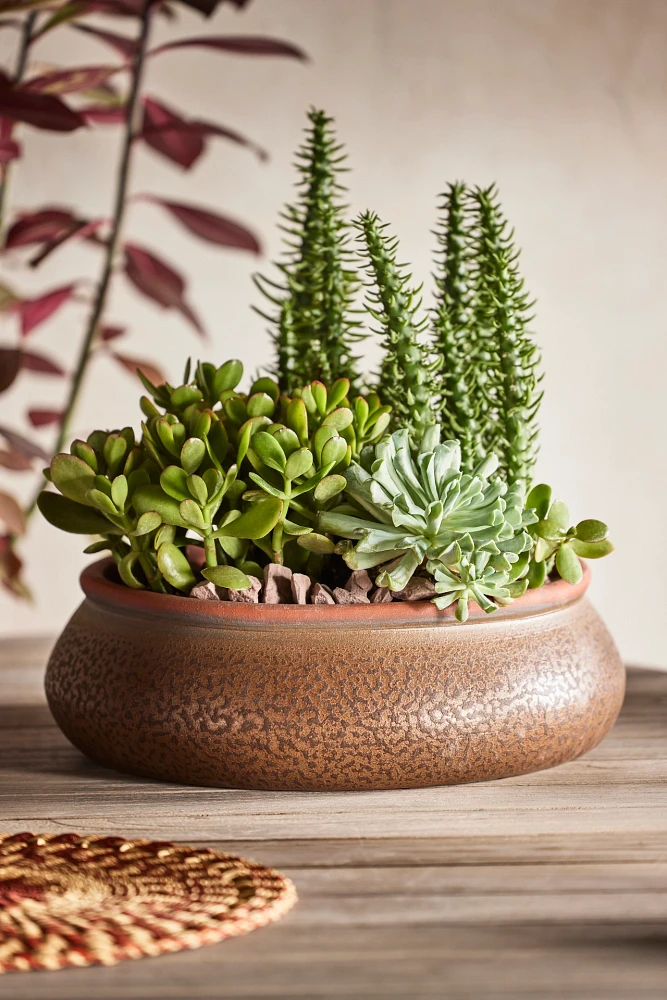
(421, 475)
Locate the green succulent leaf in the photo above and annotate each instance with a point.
(539, 499)
(290, 528)
(71, 516)
(119, 491)
(174, 482)
(329, 487)
(197, 489)
(269, 451)
(72, 476)
(591, 530)
(227, 377)
(559, 515)
(174, 567)
(126, 571)
(298, 464)
(568, 565)
(115, 448)
(339, 419)
(153, 498)
(296, 419)
(184, 395)
(256, 522)
(96, 498)
(314, 542)
(227, 576)
(147, 522)
(591, 550)
(192, 454)
(87, 454)
(260, 404)
(192, 515)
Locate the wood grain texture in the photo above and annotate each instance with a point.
(542, 887)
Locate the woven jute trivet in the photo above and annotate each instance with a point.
(70, 900)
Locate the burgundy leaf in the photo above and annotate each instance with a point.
(10, 150)
(207, 7)
(119, 8)
(33, 312)
(100, 114)
(10, 366)
(39, 227)
(42, 418)
(18, 443)
(210, 226)
(188, 312)
(146, 368)
(126, 46)
(169, 134)
(153, 277)
(32, 362)
(41, 110)
(11, 514)
(158, 281)
(247, 45)
(181, 140)
(70, 81)
(108, 333)
(14, 461)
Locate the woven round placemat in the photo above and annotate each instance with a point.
(70, 900)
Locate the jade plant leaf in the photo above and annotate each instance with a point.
(591, 530)
(192, 454)
(591, 550)
(267, 448)
(68, 515)
(148, 522)
(174, 567)
(315, 542)
(174, 482)
(72, 476)
(192, 514)
(329, 487)
(568, 565)
(153, 498)
(299, 463)
(256, 522)
(126, 571)
(227, 576)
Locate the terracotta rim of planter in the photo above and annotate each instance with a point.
(99, 587)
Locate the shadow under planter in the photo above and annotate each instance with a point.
(331, 697)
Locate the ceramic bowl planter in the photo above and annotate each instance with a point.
(331, 697)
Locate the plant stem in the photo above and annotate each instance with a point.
(120, 200)
(209, 549)
(21, 62)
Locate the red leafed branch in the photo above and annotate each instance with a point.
(64, 99)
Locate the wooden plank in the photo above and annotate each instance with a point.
(299, 962)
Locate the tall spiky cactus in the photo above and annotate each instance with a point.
(314, 326)
(509, 393)
(406, 377)
(455, 336)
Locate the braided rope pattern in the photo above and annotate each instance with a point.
(70, 900)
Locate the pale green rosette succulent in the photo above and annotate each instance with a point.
(468, 526)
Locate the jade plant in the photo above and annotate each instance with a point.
(421, 475)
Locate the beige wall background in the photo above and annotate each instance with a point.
(562, 102)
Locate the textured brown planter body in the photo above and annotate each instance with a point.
(331, 697)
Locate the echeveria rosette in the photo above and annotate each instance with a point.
(419, 508)
(557, 542)
(470, 573)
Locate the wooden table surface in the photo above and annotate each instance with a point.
(550, 886)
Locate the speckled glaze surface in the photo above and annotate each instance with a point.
(331, 697)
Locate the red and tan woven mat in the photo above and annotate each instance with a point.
(68, 900)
